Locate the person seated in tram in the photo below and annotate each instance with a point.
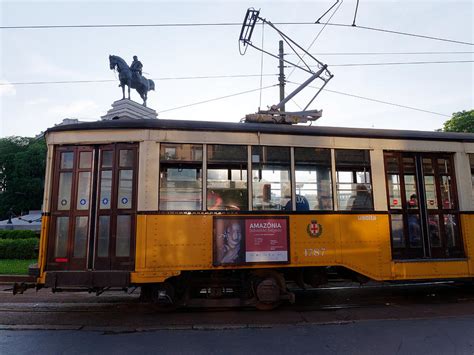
(414, 229)
(302, 204)
(214, 201)
(362, 199)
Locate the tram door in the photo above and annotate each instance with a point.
(423, 206)
(93, 208)
(114, 245)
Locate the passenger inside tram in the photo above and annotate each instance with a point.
(362, 200)
(414, 230)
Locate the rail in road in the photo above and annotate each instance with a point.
(121, 312)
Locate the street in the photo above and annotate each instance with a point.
(436, 319)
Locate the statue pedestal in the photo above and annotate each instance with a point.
(128, 109)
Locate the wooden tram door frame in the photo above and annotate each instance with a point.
(66, 258)
(429, 250)
(114, 213)
(90, 259)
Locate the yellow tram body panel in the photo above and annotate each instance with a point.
(169, 244)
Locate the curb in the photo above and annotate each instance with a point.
(10, 279)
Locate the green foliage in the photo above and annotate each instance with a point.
(18, 248)
(18, 234)
(22, 166)
(15, 266)
(460, 122)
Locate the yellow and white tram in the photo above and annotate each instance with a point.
(238, 209)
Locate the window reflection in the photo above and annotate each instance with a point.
(67, 160)
(180, 177)
(105, 189)
(62, 232)
(124, 229)
(227, 178)
(398, 237)
(125, 189)
(85, 160)
(313, 179)
(271, 187)
(64, 193)
(80, 237)
(83, 190)
(103, 237)
(353, 184)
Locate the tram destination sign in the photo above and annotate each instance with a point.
(241, 240)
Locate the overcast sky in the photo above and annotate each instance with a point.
(171, 54)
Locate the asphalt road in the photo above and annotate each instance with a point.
(429, 336)
(434, 319)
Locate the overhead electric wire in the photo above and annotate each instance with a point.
(401, 63)
(319, 33)
(217, 98)
(403, 33)
(157, 79)
(230, 76)
(387, 53)
(355, 14)
(376, 100)
(230, 24)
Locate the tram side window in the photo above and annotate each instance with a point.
(271, 187)
(180, 177)
(353, 181)
(227, 177)
(471, 160)
(313, 179)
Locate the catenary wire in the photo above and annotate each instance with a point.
(230, 24)
(401, 63)
(317, 36)
(157, 79)
(386, 53)
(375, 100)
(217, 98)
(314, 87)
(229, 76)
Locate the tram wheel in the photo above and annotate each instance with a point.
(267, 285)
(163, 297)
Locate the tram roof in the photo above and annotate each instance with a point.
(270, 128)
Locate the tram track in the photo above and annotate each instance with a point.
(122, 313)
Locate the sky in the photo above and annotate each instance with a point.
(178, 57)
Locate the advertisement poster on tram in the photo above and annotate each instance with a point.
(240, 240)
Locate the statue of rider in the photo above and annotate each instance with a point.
(136, 68)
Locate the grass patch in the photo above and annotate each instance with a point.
(15, 266)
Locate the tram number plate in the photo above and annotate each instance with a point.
(314, 252)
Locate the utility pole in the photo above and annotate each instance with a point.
(281, 77)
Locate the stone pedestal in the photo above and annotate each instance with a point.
(128, 109)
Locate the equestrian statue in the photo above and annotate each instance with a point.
(131, 76)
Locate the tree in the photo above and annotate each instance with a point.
(460, 122)
(22, 167)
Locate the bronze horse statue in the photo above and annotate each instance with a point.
(130, 79)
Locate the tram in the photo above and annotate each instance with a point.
(203, 212)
